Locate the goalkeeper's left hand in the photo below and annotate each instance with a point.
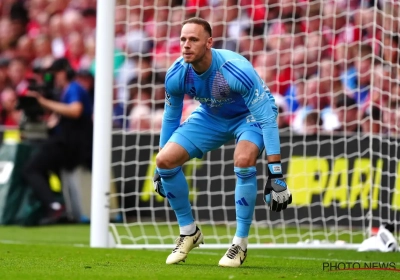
(276, 192)
(158, 187)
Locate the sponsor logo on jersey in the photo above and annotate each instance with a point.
(258, 97)
(212, 102)
(250, 118)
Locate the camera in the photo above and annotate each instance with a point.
(32, 125)
(44, 85)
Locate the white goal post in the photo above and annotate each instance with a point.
(101, 174)
(345, 185)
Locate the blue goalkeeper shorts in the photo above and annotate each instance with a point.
(203, 132)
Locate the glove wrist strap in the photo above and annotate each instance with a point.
(275, 169)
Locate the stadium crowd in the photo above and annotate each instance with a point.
(332, 65)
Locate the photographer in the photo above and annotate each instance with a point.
(70, 141)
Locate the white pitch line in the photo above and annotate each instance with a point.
(291, 258)
(10, 242)
(316, 259)
(196, 252)
(38, 243)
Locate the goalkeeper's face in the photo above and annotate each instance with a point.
(195, 43)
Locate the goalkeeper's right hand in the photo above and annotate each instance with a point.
(158, 188)
(276, 192)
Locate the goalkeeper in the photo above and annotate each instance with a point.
(235, 104)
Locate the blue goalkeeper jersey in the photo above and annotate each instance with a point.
(229, 88)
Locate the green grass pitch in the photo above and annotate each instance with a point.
(63, 252)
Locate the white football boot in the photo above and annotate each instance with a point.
(185, 244)
(234, 257)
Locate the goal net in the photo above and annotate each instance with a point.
(333, 67)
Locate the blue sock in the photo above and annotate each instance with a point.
(177, 191)
(245, 198)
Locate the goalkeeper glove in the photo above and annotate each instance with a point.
(158, 188)
(276, 192)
